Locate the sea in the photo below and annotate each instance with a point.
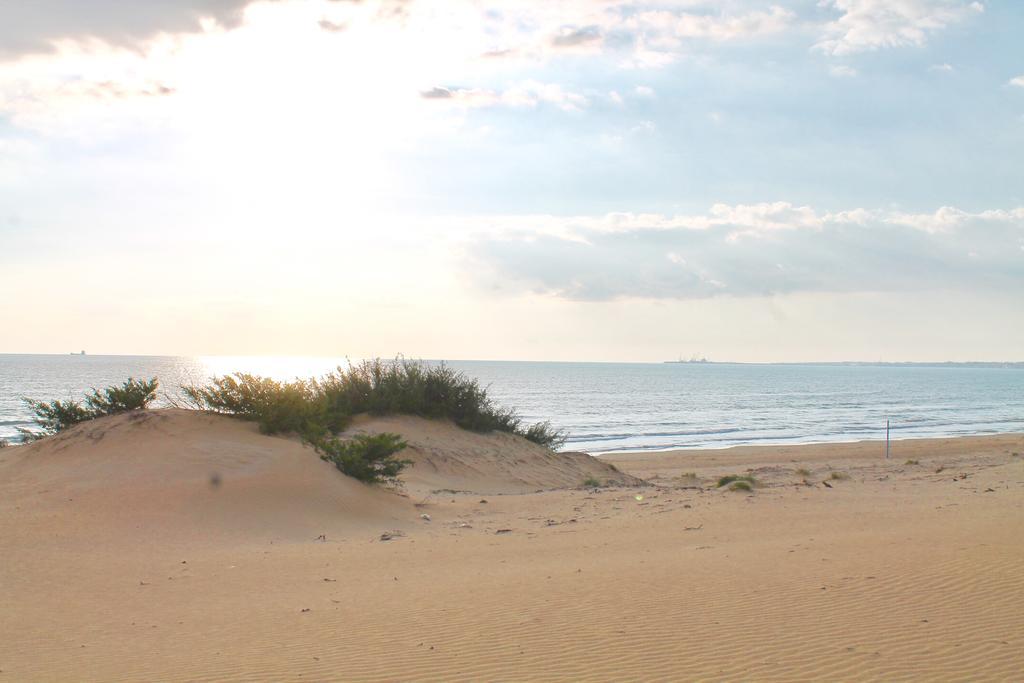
(609, 407)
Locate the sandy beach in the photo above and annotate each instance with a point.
(178, 546)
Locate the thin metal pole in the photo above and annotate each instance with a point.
(886, 439)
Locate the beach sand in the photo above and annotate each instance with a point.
(174, 546)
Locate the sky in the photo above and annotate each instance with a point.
(606, 180)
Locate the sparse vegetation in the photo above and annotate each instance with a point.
(734, 478)
(135, 394)
(317, 408)
(367, 457)
(912, 462)
(591, 483)
(56, 416)
(544, 434)
(839, 476)
(741, 485)
(277, 407)
(803, 472)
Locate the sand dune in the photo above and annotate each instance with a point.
(446, 457)
(176, 474)
(896, 571)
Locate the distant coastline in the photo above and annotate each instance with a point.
(1015, 365)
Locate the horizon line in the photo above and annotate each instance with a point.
(515, 360)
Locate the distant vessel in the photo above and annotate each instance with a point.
(693, 359)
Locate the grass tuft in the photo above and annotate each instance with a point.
(839, 476)
(733, 478)
(803, 472)
(912, 462)
(741, 485)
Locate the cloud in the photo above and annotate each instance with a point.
(524, 94)
(437, 93)
(1018, 81)
(944, 68)
(866, 25)
(753, 250)
(36, 25)
(842, 71)
(330, 26)
(574, 37)
(719, 27)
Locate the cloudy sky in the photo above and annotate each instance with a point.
(516, 179)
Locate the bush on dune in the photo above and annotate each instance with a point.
(135, 394)
(368, 458)
(544, 434)
(55, 416)
(319, 407)
(402, 387)
(277, 407)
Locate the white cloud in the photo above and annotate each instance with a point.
(525, 94)
(753, 250)
(865, 25)
(944, 68)
(775, 20)
(842, 71)
(38, 25)
(1018, 81)
(644, 91)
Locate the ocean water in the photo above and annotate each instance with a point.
(626, 406)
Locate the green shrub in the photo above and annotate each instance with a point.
(403, 387)
(366, 457)
(277, 407)
(731, 478)
(591, 483)
(544, 434)
(54, 417)
(134, 394)
(741, 485)
(317, 408)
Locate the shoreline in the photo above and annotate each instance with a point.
(802, 444)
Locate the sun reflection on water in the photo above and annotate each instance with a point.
(275, 367)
